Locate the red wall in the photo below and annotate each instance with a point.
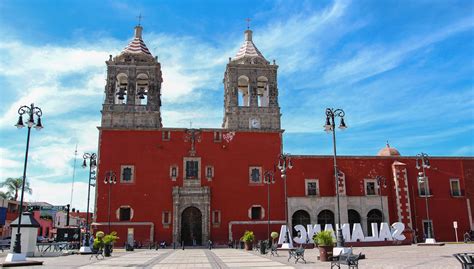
(233, 195)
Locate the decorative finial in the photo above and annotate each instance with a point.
(388, 145)
(139, 19)
(248, 23)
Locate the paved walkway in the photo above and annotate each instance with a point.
(377, 257)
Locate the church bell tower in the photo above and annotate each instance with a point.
(250, 90)
(133, 89)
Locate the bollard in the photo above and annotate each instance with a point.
(182, 243)
(174, 245)
(263, 246)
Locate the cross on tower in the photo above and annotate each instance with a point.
(139, 17)
(248, 23)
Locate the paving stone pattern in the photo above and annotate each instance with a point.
(377, 257)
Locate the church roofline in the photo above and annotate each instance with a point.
(297, 156)
(183, 129)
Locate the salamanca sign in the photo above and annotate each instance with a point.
(386, 233)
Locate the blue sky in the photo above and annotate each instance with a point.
(401, 70)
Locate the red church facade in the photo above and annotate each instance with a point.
(195, 185)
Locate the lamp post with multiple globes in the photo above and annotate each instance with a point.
(31, 111)
(268, 179)
(110, 179)
(284, 164)
(422, 162)
(330, 126)
(381, 183)
(92, 157)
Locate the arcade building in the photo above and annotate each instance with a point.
(195, 185)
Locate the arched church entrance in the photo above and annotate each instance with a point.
(191, 226)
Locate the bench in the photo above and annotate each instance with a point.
(274, 250)
(466, 260)
(297, 253)
(352, 261)
(4, 246)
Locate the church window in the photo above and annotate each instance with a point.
(174, 172)
(424, 187)
(370, 187)
(312, 187)
(256, 213)
(255, 174)
(166, 135)
(125, 213)
(166, 219)
(192, 169)
(217, 136)
(209, 172)
(216, 217)
(127, 174)
(455, 187)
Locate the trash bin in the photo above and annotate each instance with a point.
(263, 247)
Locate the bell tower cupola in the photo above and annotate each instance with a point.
(133, 88)
(250, 90)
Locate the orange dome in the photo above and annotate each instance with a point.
(388, 151)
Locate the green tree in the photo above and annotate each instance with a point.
(13, 186)
(3, 195)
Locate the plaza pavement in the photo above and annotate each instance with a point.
(376, 257)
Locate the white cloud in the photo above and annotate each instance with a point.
(297, 41)
(9, 164)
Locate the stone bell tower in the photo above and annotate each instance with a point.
(133, 89)
(250, 90)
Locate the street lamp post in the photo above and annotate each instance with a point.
(30, 111)
(268, 179)
(331, 127)
(92, 157)
(381, 182)
(422, 162)
(110, 179)
(284, 164)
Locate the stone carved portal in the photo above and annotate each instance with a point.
(191, 226)
(191, 206)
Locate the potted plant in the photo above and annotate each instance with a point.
(248, 238)
(325, 243)
(98, 244)
(109, 240)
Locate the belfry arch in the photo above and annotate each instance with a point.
(243, 91)
(262, 92)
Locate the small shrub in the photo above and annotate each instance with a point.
(324, 238)
(110, 238)
(248, 236)
(98, 243)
